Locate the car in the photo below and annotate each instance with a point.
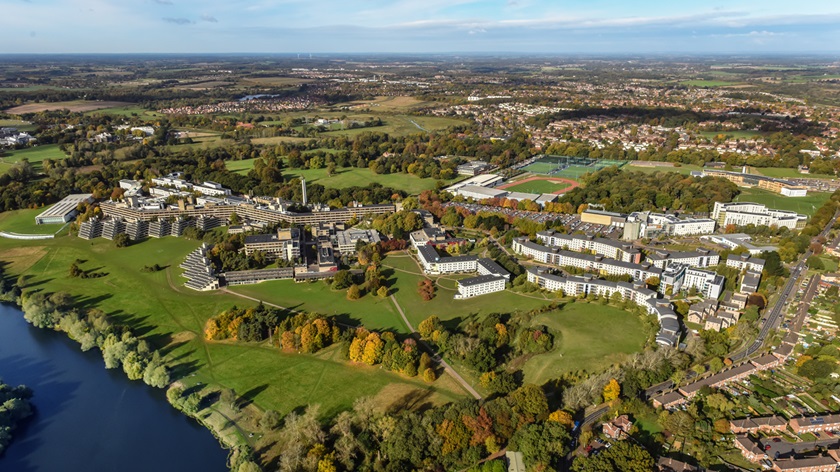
(767, 447)
(777, 439)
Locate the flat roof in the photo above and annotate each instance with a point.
(481, 279)
(65, 205)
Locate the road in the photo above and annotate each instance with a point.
(786, 449)
(776, 312)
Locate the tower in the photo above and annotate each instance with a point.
(303, 188)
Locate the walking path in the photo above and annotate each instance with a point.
(446, 367)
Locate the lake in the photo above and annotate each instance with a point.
(89, 418)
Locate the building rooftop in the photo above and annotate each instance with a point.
(481, 279)
(66, 205)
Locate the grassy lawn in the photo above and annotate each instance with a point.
(158, 307)
(444, 304)
(788, 172)
(684, 169)
(401, 125)
(127, 111)
(830, 263)
(707, 83)
(538, 186)
(23, 222)
(19, 124)
(592, 337)
(806, 205)
(370, 311)
(36, 156)
(736, 134)
(346, 177)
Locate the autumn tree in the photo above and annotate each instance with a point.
(612, 390)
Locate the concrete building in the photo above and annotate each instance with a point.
(670, 225)
(199, 270)
(637, 293)
(606, 218)
(63, 211)
(732, 241)
(745, 262)
(479, 193)
(286, 244)
(678, 277)
(699, 258)
(750, 281)
(486, 266)
(587, 262)
(345, 241)
(746, 213)
(247, 277)
(602, 246)
(434, 263)
(481, 285)
(473, 168)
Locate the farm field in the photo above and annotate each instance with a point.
(35, 155)
(346, 177)
(806, 205)
(401, 125)
(592, 337)
(787, 173)
(23, 222)
(126, 110)
(170, 316)
(73, 105)
(385, 103)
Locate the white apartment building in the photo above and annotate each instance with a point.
(680, 277)
(745, 261)
(746, 213)
(603, 246)
(434, 263)
(481, 285)
(582, 286)
(673, 226)
(698, 258)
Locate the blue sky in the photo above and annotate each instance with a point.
(417, 26)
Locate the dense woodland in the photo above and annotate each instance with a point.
(15, 407)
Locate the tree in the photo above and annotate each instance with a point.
(429, 375)
(612, 390)
(382, 292)
(234, 218)
(623, 456)
(121, 240)
(354, 292)
(652, 282)
(562, 417)
(428, 326)
(270, 420)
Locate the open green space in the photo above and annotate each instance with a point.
(787, 173)
(707, 83)
(371, 311)
(158, 307)
(127, 112)
(444, 304)
(592, 337)
(737, 134)
(538, 186)
(23, 222)
(400, 125)
(346, 177)
(684, 169)
(806, 205)
(19, 124)
(35, 155)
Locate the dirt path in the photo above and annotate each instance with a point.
(446, 367)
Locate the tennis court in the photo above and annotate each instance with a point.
(569, 167)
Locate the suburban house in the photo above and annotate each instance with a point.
(618, 427)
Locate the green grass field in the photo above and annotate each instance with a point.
(346, 177)
(739, 134)
(444, 304)
(19, 124)
(787, 173)
(36, 156)
(158, 307)
(806, 205)
(707, 83)
(23, 222)
(538, 186)
(540, 167)
(370, 311)
(684, 169)
(592, 337)
(127, 111)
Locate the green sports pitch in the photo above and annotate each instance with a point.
(568, 166)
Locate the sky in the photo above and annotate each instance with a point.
(421, 26)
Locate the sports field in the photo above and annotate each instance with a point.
(787, 173)
(569, 167)
(170, 316)
(540, 185)
(35, 155)
(23, 222)
(806, 205)
(592, 337)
